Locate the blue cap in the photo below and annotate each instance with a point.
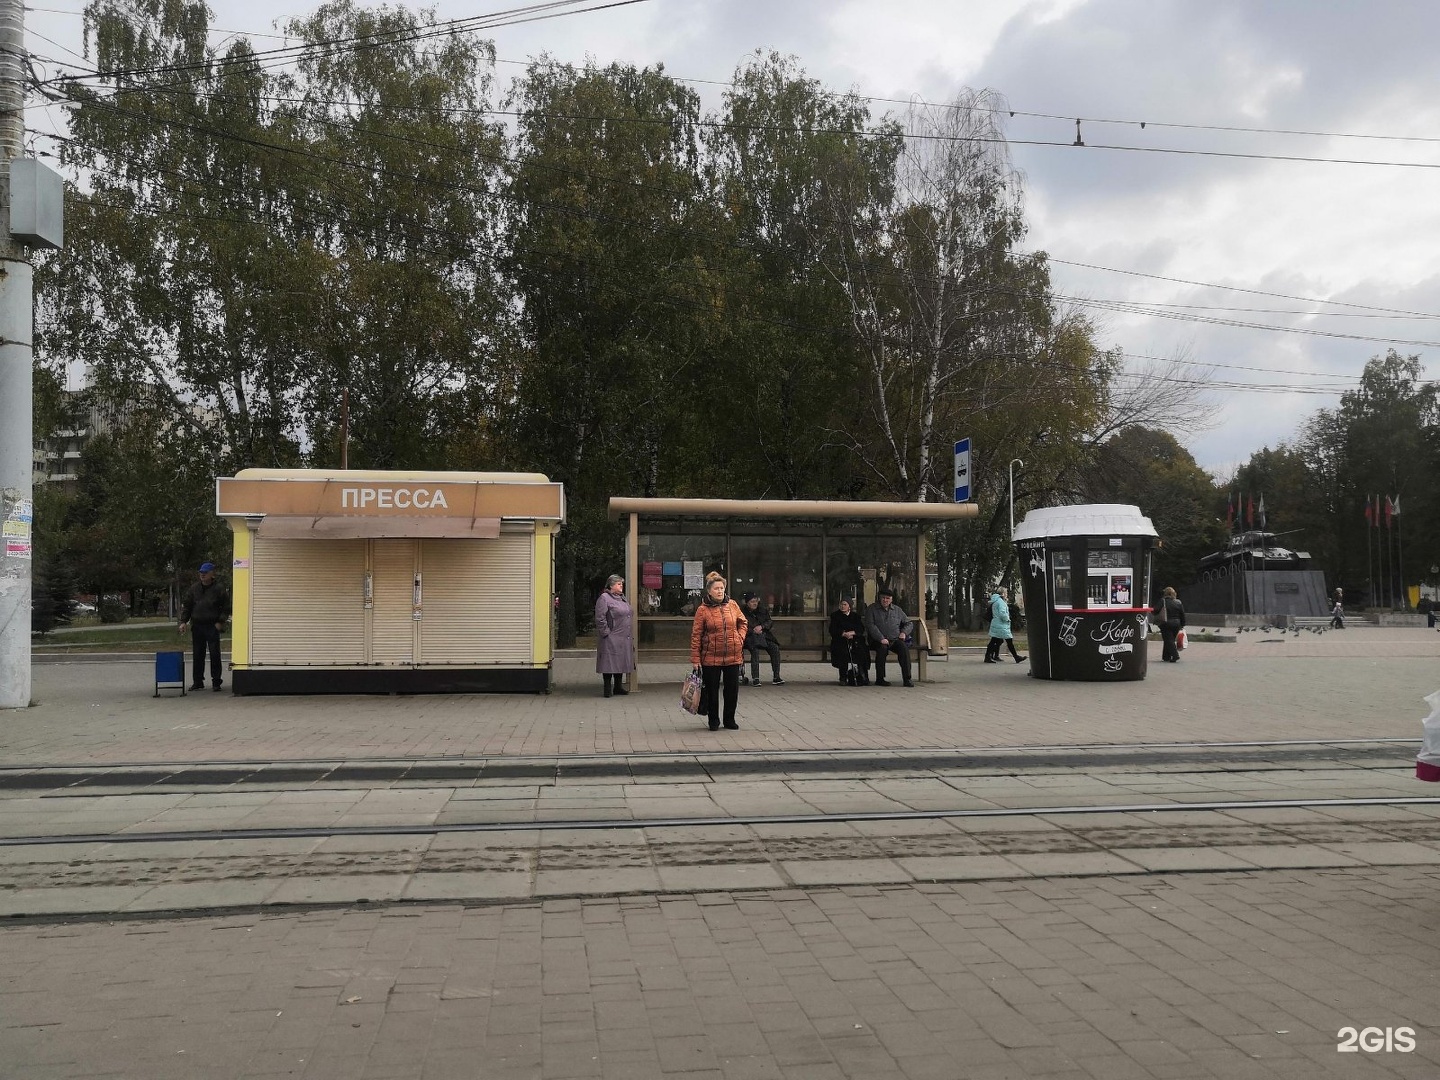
(207, 567)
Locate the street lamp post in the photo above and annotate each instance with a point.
(1013, 463)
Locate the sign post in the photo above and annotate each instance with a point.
(962, 471)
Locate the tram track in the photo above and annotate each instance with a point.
(630, 824)
(705, 767)
(131, 838)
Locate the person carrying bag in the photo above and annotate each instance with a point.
(1170, 618)
(717, 649)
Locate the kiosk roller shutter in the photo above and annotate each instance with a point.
(478, 601)
(307, 602)
(392, 625)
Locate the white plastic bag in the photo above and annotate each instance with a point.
(1427, 762)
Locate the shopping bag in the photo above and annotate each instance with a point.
(1427, 762)
(1181, 641)
(690, 693)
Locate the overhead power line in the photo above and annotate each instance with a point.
(490, 21)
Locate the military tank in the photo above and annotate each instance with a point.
(1252, 550)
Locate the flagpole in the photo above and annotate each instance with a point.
(1400, 554)
(1369, 554)
(1380, 551)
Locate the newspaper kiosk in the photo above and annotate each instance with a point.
(1086, 573)
(390, 582)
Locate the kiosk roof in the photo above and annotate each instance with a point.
(1090, 519)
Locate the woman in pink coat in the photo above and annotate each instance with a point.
(615, 647)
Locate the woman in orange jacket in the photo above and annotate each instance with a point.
(717, 640)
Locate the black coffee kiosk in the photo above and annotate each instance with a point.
(1086, 573)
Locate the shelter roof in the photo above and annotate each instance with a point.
(791, 508)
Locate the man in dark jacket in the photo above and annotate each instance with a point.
(760, 636)
(890, 631)
(205, 611)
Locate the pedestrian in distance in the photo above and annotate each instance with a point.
(1337, 611)
(1170, 618)
(615, 636)
(204, 612)
(717, 643)
(760, 638)
(848, 650)
(889, 629)
(1000, 632)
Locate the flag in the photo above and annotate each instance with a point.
(1230, 512)
(1369, 514)
(1395, 505)
(1250, 511)
(1262, 510)
(1389, 511)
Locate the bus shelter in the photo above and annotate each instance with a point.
(800, 557)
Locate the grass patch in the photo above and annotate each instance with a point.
(121, 639)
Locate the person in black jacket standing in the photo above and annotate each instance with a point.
(205, 611)
(1170, 617)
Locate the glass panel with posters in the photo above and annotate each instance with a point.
(673, 569)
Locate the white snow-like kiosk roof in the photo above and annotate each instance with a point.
(1090, 519)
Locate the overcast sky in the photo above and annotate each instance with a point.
(1356, 234)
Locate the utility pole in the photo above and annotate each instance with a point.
(17, 437)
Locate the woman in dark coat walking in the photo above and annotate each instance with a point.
(1170, 617)
(848, 649)
(615, 647)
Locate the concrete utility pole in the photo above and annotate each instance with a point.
(16, 383)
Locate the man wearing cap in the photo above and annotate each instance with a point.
(889, 629)
(205, 611)
(760, 636)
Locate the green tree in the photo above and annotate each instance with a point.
(1147, 467)
(616, 386)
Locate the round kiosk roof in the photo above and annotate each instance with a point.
(1090, 519)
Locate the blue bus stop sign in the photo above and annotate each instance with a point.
(962, 471)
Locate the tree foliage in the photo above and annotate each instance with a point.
(787, 297)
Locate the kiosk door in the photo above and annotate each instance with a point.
(479, 601)
(392, 620)
(307, 602)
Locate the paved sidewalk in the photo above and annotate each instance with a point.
(1233, 976)
(1366, 685)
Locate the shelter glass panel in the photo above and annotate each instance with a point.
(858, 567)
(784, 571)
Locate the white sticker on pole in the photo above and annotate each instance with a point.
(962, 471)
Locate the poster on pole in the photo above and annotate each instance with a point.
(962, 471)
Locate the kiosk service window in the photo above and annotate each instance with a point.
(1109, 578)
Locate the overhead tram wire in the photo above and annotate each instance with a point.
(306, 153)
(687, 194)
(916, 101)
(669, 299)
(519, 16)
(862, 134)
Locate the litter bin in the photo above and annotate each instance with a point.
(1086, 573)
(169, 672)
